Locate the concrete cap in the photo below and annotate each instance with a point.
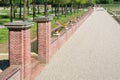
(43, 18)
(19, 24)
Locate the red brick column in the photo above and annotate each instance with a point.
(20, 47)
(44, 38)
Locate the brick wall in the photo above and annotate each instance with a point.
(15, 46)
(27, 54)
(44, 34)
(19, 47)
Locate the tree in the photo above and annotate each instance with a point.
(11, 11)
(83, 1)
(92, 2)
(97, 1)
(110, 1)
(38, 2)
(20, 9)
(34, 9)
(45, 8)
(59, 3)
(4, 2)
(24, 12)
(104, 1)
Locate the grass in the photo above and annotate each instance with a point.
(34, 31)
(63, 20)
(115, 8)
(4, 18)
(117, 18)
(3, 35)
(4, 31)
(111, 5)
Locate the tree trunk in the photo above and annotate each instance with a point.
(74, 8)
(45, 9)
(11, 11)
(58, 11)
(24, 12)
(62, 10)
(65, 10)
(55, 10)
(52, 8)
(14, 9)
(28, 6)
(38, 9)
(71, 8)
(33, 9)
(20, 13)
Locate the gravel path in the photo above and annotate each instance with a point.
(2, 26)
(92, 53)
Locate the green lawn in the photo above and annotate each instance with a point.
(117, 18)
(4, 18)
(3, 35)
(115, 8)
(63, 20)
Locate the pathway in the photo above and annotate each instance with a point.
(92, 53)
(2, 26)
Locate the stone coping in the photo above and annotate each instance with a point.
(19, 24)
(9, 71)
(43, 18)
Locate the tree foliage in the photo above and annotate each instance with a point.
(57, 6)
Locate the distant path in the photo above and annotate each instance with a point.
(92, 53)
(2, 26)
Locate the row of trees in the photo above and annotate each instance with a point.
(6, 2)
(104, 1)
(56, 5)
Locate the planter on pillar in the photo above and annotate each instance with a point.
(20, 47)
(43, 38)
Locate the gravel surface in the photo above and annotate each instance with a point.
(92, 53)
(2, 26)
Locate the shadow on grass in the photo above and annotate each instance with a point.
(34, 46)
(4, 64)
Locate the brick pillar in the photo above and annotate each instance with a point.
(20, 47)
(44, 38)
